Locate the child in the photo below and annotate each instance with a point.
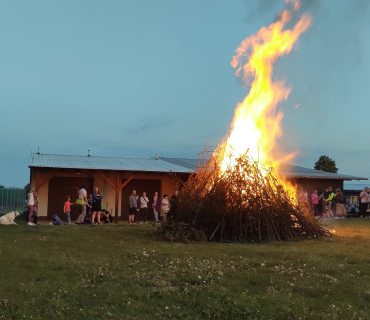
(56, 221)
(67, 209)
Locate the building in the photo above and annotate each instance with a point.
(352, 192)
(54, 176)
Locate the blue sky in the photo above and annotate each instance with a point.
(136, 78)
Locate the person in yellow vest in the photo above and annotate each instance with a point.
(329, 201)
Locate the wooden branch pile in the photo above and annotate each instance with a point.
(243, 202)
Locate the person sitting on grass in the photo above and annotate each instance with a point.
(56, 221)
(105, 216)
(67, 209)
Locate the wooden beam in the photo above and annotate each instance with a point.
(179, 180)
(39, 185)
(106, 179)
(126, 182)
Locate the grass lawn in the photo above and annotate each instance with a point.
(122, 272)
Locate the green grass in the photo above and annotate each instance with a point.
(115, 272)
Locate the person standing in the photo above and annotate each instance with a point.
(174, 203)
(89, 205)
(364, 199)
(67, 209)
(143, 207)
(315, 203)
(133, 207)
(156, 202)
(96, 205)
(340, 209)
(81, 202)
(329, 201)
(165, 207)
(31, 203)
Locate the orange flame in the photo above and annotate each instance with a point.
(256, 124)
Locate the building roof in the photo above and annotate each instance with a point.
(104, 163)
(187, 163)
(176, 165)
(291, 171)
(286, 170)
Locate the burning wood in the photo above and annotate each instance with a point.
(244, 201)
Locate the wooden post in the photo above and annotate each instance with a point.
(116, 187)
(117, 199)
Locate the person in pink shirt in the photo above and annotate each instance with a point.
(67, 209)
(315, 203)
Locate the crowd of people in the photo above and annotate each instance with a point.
(160, 206)
(331, 205)
(325, 204)
(91, 212)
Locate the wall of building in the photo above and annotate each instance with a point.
(310, 185)
(167, 185)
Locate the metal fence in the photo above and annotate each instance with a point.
(10, 199)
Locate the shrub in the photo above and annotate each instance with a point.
(180, 232)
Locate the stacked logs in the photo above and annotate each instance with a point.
(243, 202)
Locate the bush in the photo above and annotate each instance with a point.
(180, 232)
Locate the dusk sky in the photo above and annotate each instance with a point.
(136, 78)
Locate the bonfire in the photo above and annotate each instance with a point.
(244, 201)
(237, 194)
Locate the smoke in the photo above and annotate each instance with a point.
(329, 74)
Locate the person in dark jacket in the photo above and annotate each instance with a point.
(132, 199)
(106, 217)
(96, 205)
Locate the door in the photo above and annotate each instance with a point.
(59, 188)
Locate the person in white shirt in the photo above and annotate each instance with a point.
(165, 207)
(31, 203)
(156, 205)
(81, 202)
(143, 207)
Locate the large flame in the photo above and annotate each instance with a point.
(256, 124)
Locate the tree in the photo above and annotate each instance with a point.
(28, 188)
(326, 164)
(2, 187)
